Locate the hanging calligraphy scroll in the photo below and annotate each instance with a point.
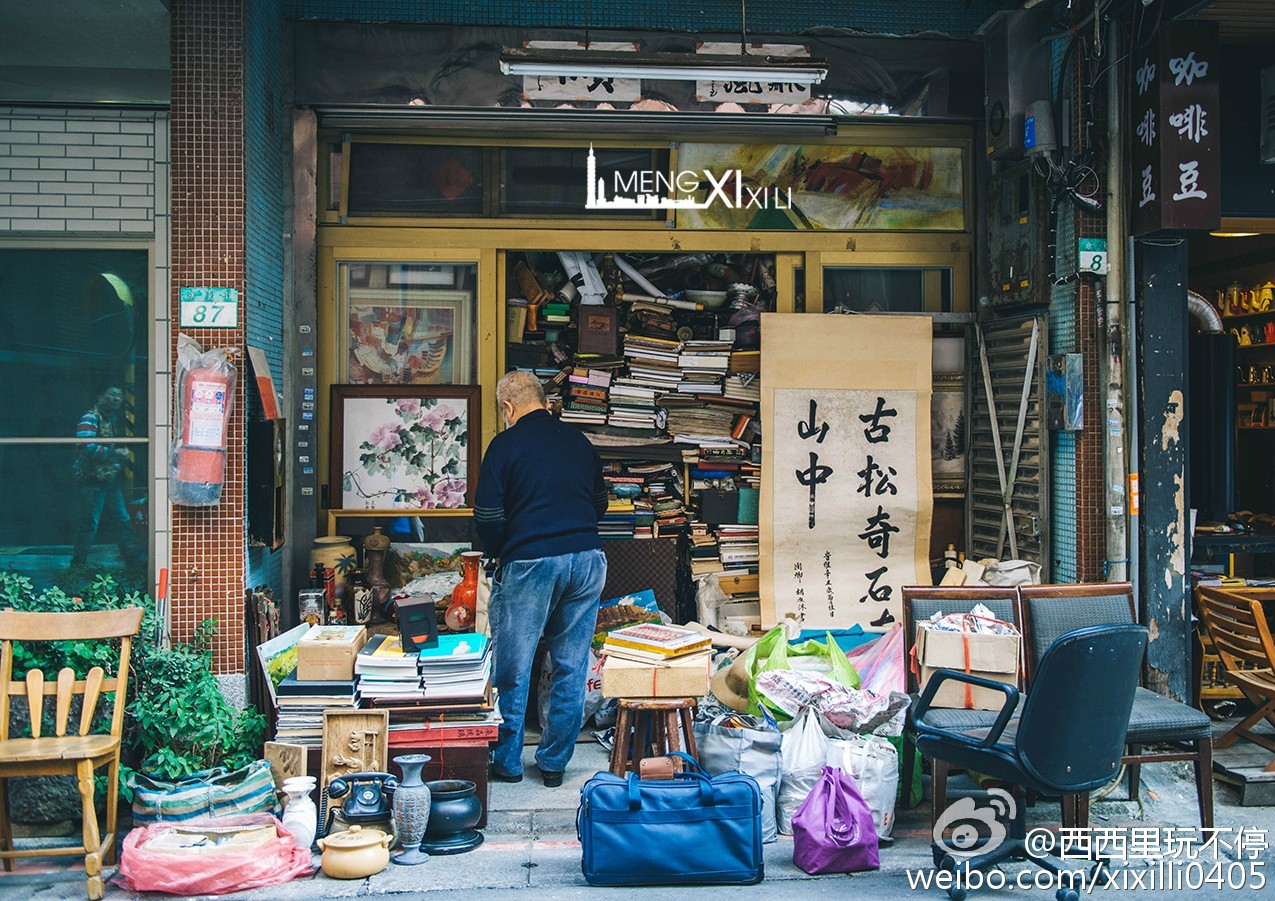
(847, 490)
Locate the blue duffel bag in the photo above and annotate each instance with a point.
(690, 830)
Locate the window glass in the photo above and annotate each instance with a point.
(550, 181)
(392, 179)
(886, 290)
(74, 361)
(410, 323)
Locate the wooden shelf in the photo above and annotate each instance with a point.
(1257, 428)
(1266, 345)
(1257, 385)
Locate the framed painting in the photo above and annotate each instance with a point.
(948, 433)
(416, 336)
(404, 448)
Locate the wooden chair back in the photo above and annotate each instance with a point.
(96, 625)
(922, 602)
(1237, 624)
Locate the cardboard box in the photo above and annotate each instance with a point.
(677, 679)
(990, 656)
(328, 652)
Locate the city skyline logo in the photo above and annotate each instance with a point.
(651, 189)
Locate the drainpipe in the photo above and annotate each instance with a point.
(1209, 318)
(1112, 308)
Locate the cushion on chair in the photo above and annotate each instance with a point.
(1052, 618)
(1157, 718)
(955, 719)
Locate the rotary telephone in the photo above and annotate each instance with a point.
(367, 797)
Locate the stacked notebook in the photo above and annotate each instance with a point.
(301, 705)
(386, 672)
(656, 643)
(458, 669)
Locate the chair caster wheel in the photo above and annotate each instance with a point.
(1067, 894)
(938, 853)
(957, 894)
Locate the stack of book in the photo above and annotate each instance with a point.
(653, 362)
(653, 660)
(738, 547)
(632, 404)
(584, 404)
(704, 551)
(301, 705)
(385, 672)
(457, 670)
(703, 363)
(619, 520)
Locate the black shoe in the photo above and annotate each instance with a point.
(551, 779)
(501, 776)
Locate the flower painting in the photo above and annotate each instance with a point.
(403, 448)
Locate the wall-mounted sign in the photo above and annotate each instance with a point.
(209, 307)
(1177, 168)
(743, 92)
(573, 88)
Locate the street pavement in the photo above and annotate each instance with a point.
(531, 852)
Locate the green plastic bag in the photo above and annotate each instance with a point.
(774, 653)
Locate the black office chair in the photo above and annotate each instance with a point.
(1068, 739)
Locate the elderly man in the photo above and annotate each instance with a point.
(540, 497)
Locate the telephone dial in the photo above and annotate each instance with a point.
(366, 797)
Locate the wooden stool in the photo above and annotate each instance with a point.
(651, 727)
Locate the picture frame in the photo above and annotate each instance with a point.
(949, 433)
(404, 448)
(408, 335)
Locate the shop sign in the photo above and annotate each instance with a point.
(576, 89)
(744, 92)
(1175, 132)
(209, 307)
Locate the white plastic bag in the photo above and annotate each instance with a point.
(593, 699)
(804, 752)
(873, 764)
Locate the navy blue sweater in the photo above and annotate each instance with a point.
(540, 491)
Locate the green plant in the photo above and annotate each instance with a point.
(177, 721)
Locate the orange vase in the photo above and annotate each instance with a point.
(464, 606)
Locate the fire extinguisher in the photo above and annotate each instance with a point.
(199, 457)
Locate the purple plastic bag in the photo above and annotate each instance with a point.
(832, 831)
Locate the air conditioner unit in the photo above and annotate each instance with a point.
(1267, 117)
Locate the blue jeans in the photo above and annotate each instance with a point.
(557, 596)
(105, 502)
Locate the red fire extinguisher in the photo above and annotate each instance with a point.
(199, 458)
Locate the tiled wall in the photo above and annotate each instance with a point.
(264, 230)
(208, 243)
(102, 173)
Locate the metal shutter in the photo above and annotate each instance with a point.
(1009, 363)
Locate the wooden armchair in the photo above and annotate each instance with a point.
(79, 755)
(1237, 624)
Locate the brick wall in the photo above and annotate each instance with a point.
(208, 249)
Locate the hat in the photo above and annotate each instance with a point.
(730, 685)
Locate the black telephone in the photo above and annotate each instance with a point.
(369, 797)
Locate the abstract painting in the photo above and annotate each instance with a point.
(831, 186)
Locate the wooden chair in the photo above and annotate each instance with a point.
(1237, 625)
(651, 727)
(79, 755)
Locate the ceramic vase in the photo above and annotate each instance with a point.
(300, 817)
(454, 811)
(337, 553)
(464, 606)
(411, 809)
(360, 598)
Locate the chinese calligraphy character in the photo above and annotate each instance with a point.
(881, 593)
(1190, 122)
(808, 429)
(1146, 128)
(1145, 75)
(607, 84)
(813, 477)
(1187, 68)
(876, 432)
(800, 592)
(1189, 182)
(878, 532)
(882, 476)
(827, 581)
(1147, 194)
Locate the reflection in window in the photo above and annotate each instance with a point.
(74, 341)
(410, 323)
(550, 181)
(415, 179)
(886, 290)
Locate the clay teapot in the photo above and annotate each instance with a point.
(355, 853)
